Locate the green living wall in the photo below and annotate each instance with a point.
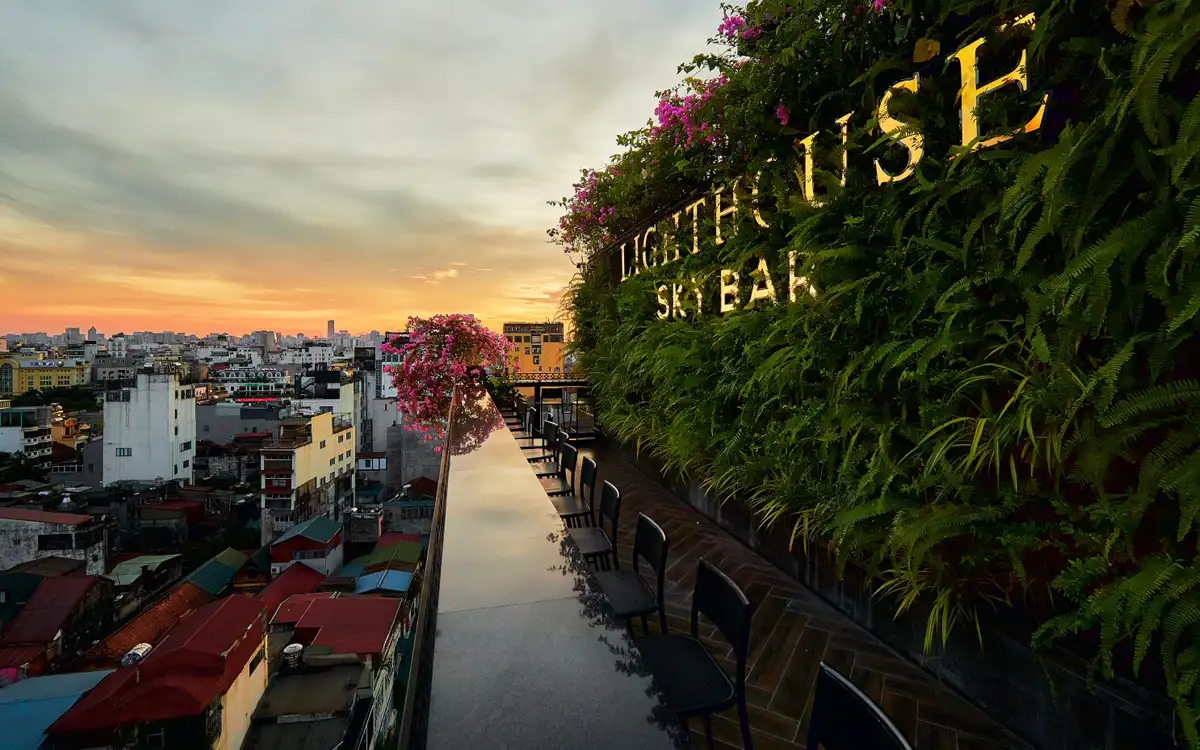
(986, 389)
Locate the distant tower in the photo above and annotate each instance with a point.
(331, 330)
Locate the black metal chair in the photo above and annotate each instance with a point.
(545, 464)
(576, 509)
(691, 680)
(844, 718)
(626, 590)
(594, 542)
(563, 480)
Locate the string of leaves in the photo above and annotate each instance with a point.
(994, 399)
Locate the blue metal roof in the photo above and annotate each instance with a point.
(27, 707)
(385, 580)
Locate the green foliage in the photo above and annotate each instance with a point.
(995, 396)
(73, 398)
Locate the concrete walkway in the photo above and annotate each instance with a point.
(793, 630)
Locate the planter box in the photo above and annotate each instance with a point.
(1045, 699)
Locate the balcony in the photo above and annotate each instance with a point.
(525, 630)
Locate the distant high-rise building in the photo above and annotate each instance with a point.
(539, 347)
(93, 334)
(331, 330)
(73, 336)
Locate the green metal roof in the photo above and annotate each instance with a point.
(127, 572)
(319, 529)
(402, 552)
(215, 575)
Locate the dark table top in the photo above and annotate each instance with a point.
(527, 653)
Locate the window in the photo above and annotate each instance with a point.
(206, 428)
(176, 469)
(185, 446)
(124, 452)
(156, 737)
(54, 542)
(322, 443)
(258, 659)
(176, 429)
(537, 360)
(537, 350)
(331, 461)
(187, 464)
(527, 350)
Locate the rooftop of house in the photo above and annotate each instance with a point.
(343, 624)
(151, 624)
(392, 555)
(313, 691)
(198, 661)
(128, 571)
(215, 575)
(28, 706)
(319, 529)
(297, 579)
(52, 566)
(422, 487)
(42, 516)
(48, 610)
(388, 581)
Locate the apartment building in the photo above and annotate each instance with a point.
(27, 430)
(27, 534)
(149, 428)
(308, 471)
(18, 375)
(540, 347)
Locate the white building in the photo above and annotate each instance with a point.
(118, 346)
(26, 430)
(150, 429)
(309, 354)
(33, 534)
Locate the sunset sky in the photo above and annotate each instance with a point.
(229, 165)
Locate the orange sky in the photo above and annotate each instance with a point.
(206, 165)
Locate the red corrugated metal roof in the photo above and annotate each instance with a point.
(152, 623)
(42, 516)
(48, 610)
(294, 607)
(346, 624)
(297, 579)
(198, 661)
(12, 657)
(256, 400)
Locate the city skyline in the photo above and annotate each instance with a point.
(168, 164)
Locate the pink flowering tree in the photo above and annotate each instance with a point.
(443, 353)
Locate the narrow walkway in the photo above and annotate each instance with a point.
(793, 630)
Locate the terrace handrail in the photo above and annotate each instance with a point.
(414, 719)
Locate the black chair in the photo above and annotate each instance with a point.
(844, 718)
(563, 481)
(545, 463)
(691, 680)
(576, 509)
(528, 429)
(594, 543)
(626, 590)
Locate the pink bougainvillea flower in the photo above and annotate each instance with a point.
(782, 114)
(879, 5)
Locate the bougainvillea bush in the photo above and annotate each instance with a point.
(438, 357)
(991, 396)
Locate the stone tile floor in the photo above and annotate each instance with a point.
(793, 630)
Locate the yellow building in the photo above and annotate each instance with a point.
(540, 347)
(308, 471)
(19, 375)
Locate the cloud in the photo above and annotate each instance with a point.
(200, 162)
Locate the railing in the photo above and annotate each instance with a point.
(414, 718)
(287, 443)
(543, 377)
